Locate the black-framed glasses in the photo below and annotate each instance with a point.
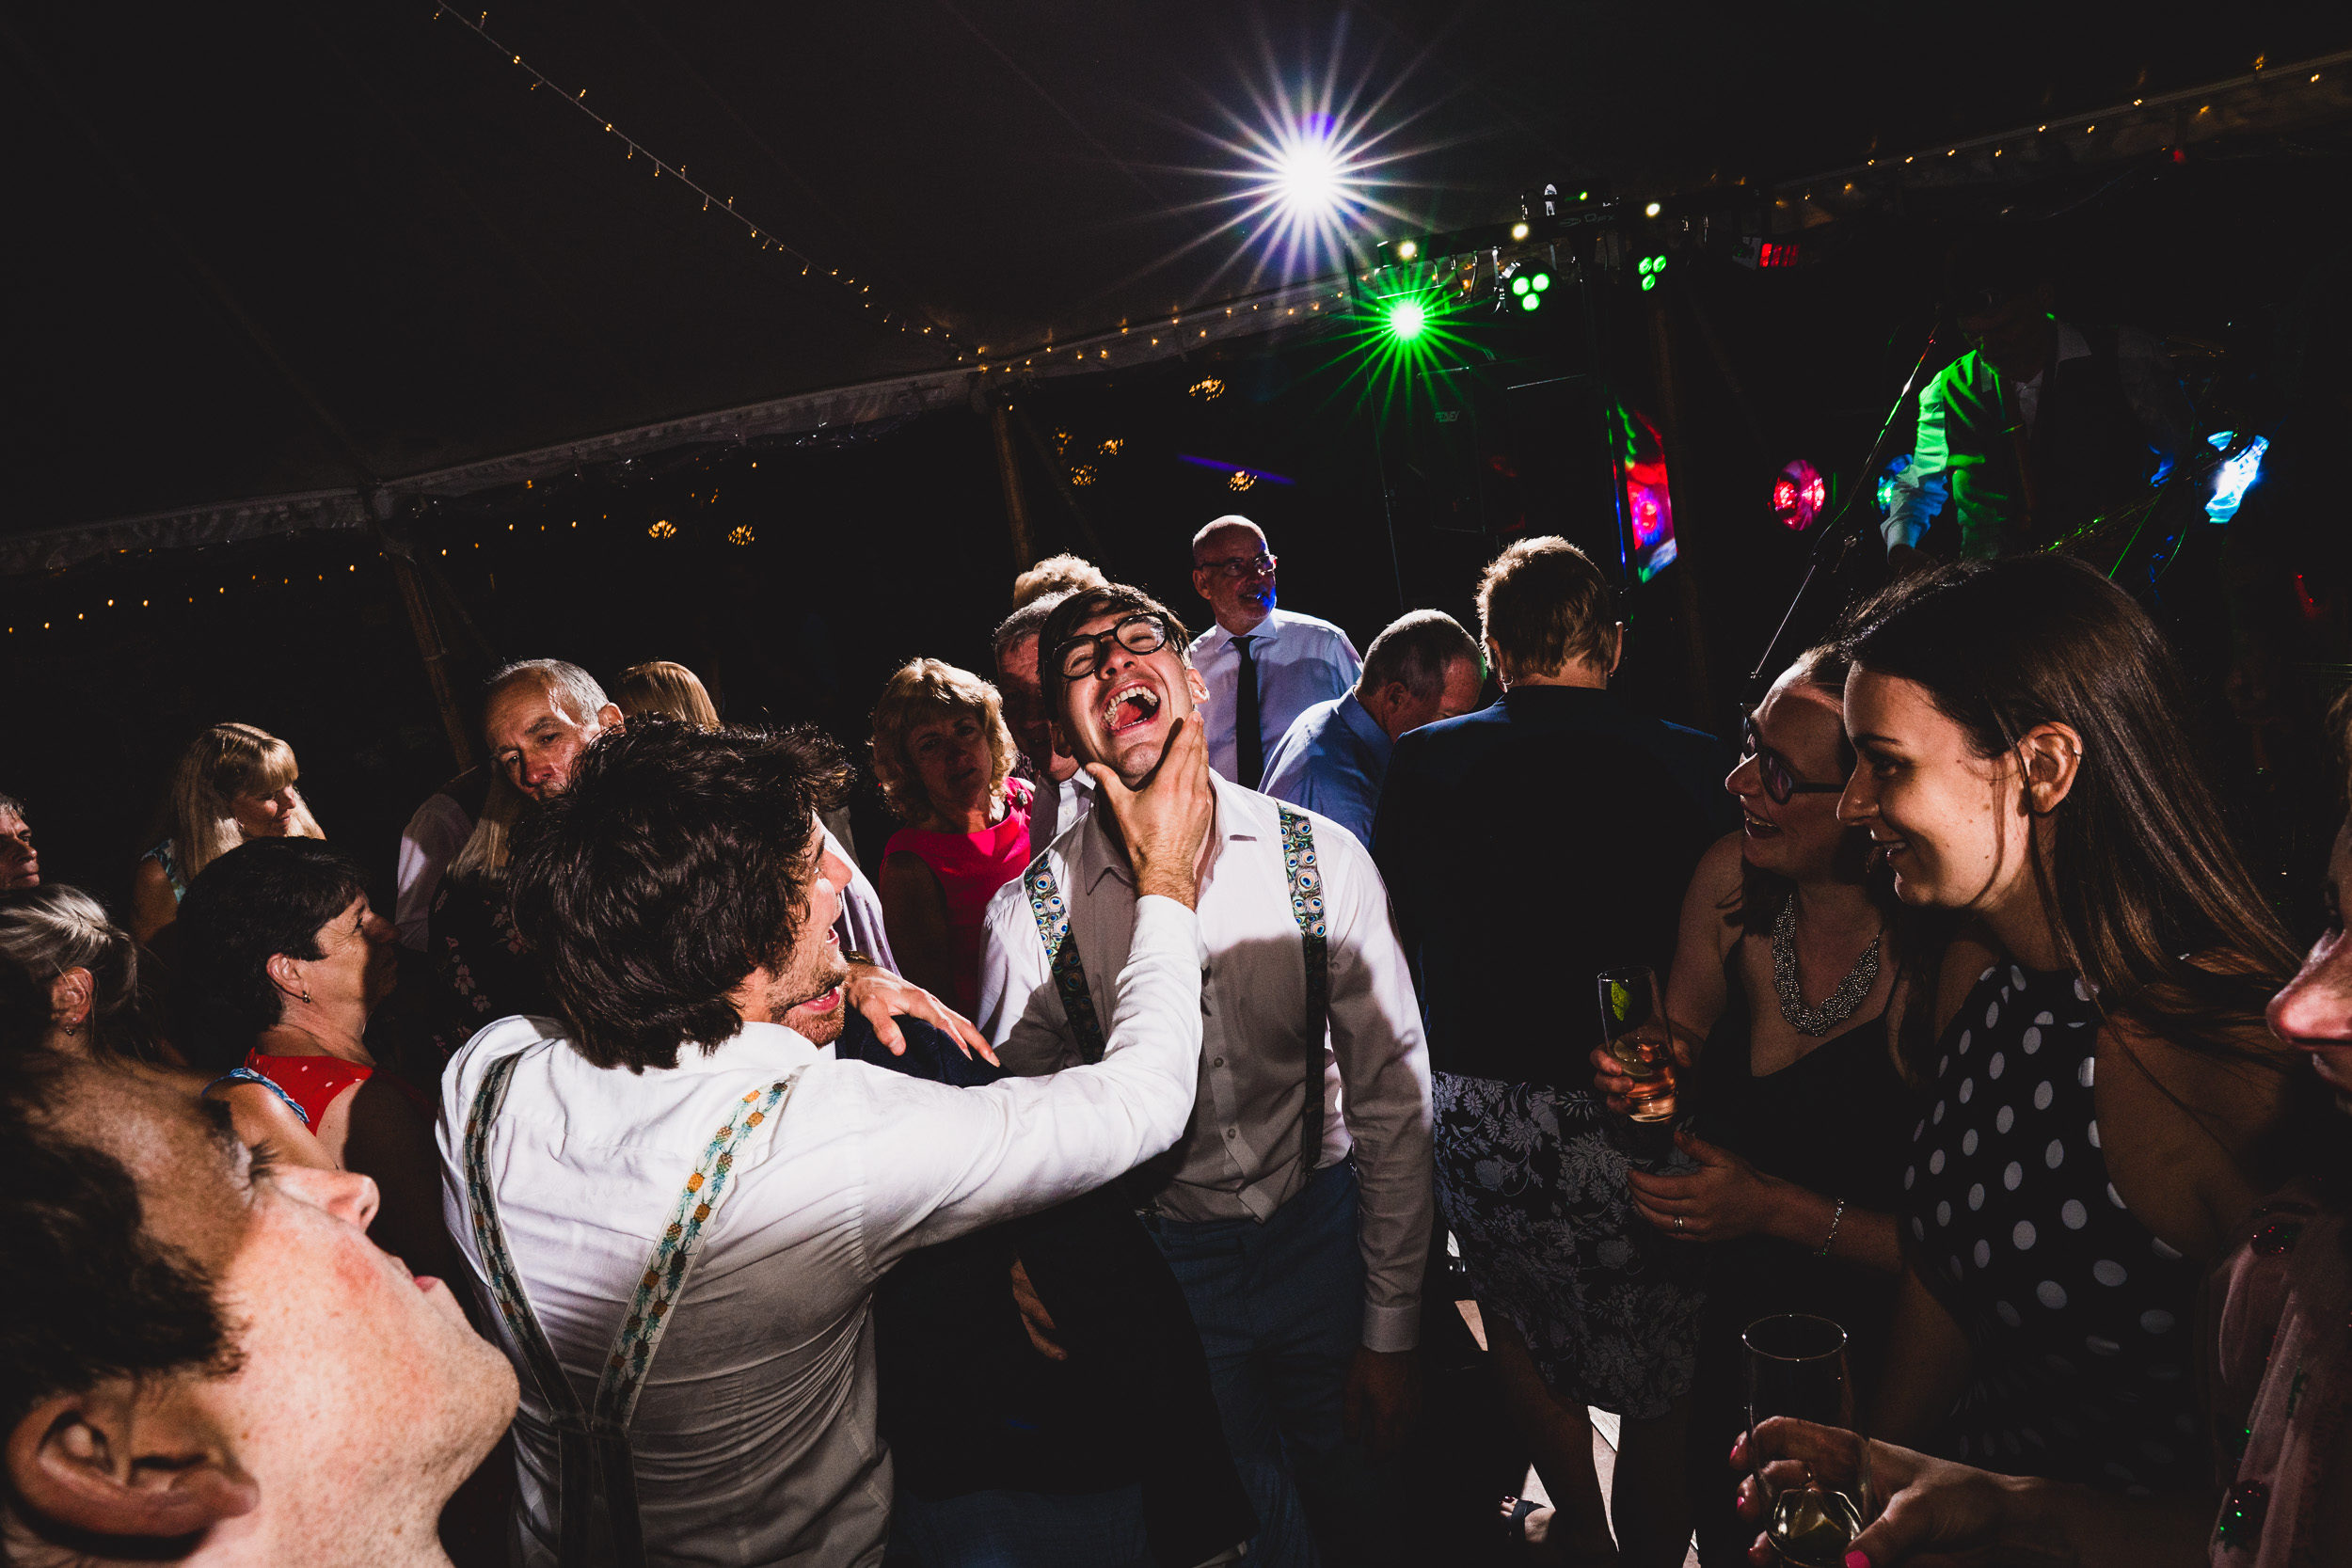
(1780, 780)
(1259, 565)
(1143, 632)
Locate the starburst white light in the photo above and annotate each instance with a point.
(1310, 169)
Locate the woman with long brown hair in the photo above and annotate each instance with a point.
(233, 782)
(2101, 1085)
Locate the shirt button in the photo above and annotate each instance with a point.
(1216, 1061)
(1232, 1132)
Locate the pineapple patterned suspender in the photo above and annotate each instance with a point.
(1052, 912)
(594, 1442)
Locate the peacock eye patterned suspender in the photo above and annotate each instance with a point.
(1052, 912)
(1305, 884)
(659, 1285)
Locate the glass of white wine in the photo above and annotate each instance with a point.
(1634, 1027)
(1815, 1506)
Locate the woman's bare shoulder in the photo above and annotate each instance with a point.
(1965, 961)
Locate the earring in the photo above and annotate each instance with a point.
(71, 1029)
(305, 993)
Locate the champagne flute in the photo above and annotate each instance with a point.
(1816, 1505)
(1634, 1027)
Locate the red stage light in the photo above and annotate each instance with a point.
(1799, 495)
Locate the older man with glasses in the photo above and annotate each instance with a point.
(1297, 1218)
(1264, 667)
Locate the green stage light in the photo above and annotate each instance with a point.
(1653, 268)
(1406, 317)
(1529, 286)
(1518, 285)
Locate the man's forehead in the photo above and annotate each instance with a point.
(179, 1148)
(522, 698)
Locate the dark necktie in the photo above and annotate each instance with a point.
(1248, 744)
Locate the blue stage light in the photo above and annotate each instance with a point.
(2236, 476)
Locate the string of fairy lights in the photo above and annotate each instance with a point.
(905, 322)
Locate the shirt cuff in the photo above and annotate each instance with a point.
(1390, 1329)
(1163, 924)
(1900, 530)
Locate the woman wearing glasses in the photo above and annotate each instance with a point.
(1785, 966)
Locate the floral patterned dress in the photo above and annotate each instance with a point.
(1532, 1181)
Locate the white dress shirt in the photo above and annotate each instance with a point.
(1240, 1159)
(754, 1436)
(427, 845)
(1301, 661)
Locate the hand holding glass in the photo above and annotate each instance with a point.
(1813, 1505)
(1634, 1027)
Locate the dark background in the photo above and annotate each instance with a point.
(448, 266)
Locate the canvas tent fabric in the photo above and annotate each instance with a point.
(280, 264)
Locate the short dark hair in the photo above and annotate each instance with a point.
(266, 896)
(669, 870)
(110, 1300)
(1415, 648)
(1545, 605)
(1080, 608)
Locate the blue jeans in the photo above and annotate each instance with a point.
(1280, 1311)
(1020, 1529)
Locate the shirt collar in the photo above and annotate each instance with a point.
(1261, 636)
(1364, 727)
(759, 1046)
(1243, 816)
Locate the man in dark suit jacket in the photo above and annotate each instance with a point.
(1528, 847)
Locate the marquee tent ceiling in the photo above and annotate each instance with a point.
(296, 251)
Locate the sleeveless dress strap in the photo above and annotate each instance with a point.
(594, 1444)
(247, 1075)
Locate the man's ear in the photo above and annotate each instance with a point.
(1494, 661)
(2052, 757)
(1200, 583)
(610, 718)
(1198, 687)
(1616, 652)
(125, 1462)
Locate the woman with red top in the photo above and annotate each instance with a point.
(943, 757)
(282, 960)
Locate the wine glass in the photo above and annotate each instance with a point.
(1634, 1027)
(1817, 1494)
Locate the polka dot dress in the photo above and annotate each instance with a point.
(2081, 1321)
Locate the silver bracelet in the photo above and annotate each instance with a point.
(1831, 1240)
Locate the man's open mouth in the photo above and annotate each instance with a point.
(1131, 705)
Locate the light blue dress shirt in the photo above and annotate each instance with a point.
(1331, 761)
(1301, 660)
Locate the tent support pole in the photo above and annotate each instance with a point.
(436, 659)
(1016, 504)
